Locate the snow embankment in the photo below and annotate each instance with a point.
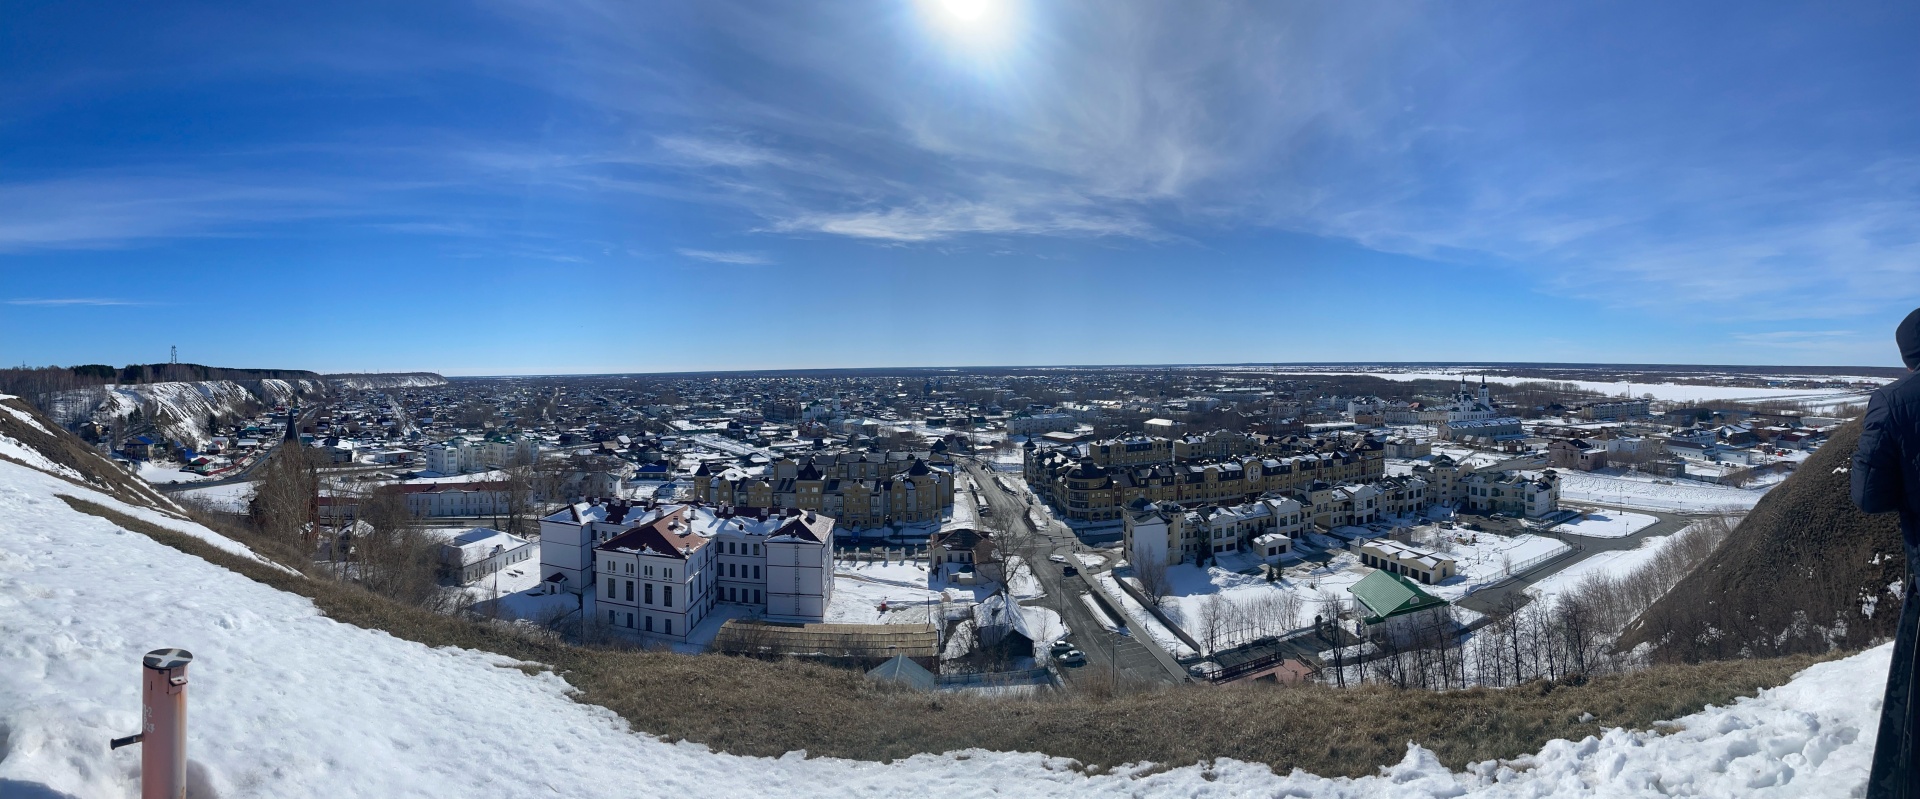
(1652, 493)
(288, 703)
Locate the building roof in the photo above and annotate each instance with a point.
(902, 669)
(1387, 595)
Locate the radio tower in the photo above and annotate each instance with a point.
(173, 355)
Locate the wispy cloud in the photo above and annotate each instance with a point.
(64, 301)
(726, 257)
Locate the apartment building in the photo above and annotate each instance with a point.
(1172, 534)
(859, 489)
(1512, 494)
(1618, 410)
(1219, 467)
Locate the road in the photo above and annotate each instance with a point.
(1111, 658)
(1490, 600)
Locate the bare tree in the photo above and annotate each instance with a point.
(286, 505)
(1152, 574)
(393, 554)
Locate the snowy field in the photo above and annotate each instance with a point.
(1607, 524)
(1677, 392)
(165, 472)
(230, 498)
(1656, 493)
(1617, 563)
(79, 601)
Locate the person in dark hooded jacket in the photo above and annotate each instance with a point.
(1886, 479)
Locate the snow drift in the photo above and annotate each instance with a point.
(289, 703)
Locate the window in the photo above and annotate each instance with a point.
(610, 617)
(629, 568)
(669, 626)
(756, 595)
(669, 573)
(756, 572)
(649, 624)
(610, 591)
(629, 621)
(629, 594)
(648, 593)
(666, 597)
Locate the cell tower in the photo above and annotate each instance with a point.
(173, 355)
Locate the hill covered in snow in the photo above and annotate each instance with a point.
(365, 382)
(179, 410)
(287, 700)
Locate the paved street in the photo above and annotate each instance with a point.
(1110, 657)
(1490, 600)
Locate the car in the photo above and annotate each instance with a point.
(1068, 571)
(1057, 558)
(1074, 657)
(1061, 647)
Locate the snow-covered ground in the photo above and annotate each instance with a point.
(166, 472)
(1677, 392)
(1656, 493)
(1615, 563)
(231, 498)
(1138, 619)
(80, 600)
(1607, 524)
(30, 456)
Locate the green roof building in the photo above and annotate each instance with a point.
(1386, 595)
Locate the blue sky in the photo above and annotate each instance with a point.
(553, 186)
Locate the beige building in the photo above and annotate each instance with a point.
(1220, 467)
(859, 489)
(1413, 562)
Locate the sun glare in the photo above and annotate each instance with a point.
(972, 23)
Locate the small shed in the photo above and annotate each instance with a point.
(1386, 596)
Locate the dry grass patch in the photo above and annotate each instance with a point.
(749, 707)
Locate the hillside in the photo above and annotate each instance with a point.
(363, 382)
(181, 410)
(1806, 571)
(303, 686)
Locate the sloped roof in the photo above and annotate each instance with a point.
(1386, 595)
(902, 669)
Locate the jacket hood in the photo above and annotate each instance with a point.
(1909, 338)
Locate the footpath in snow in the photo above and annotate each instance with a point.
(288, 703)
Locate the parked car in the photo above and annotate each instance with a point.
(1068, 571)
(1061, 647)
(1057, 558)
(1074, 657)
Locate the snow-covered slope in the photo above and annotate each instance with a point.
(179, 409)
(395, 380)
(288, 703)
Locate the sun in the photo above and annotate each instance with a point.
(968, 12)
(972, 22)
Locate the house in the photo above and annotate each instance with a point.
(1421, 564)
(1576, 453)
(1395, 607)
(1272, 547)
(140, 448)
(962, 551)
(479, 552)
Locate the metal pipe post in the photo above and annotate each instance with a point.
(163, 726)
